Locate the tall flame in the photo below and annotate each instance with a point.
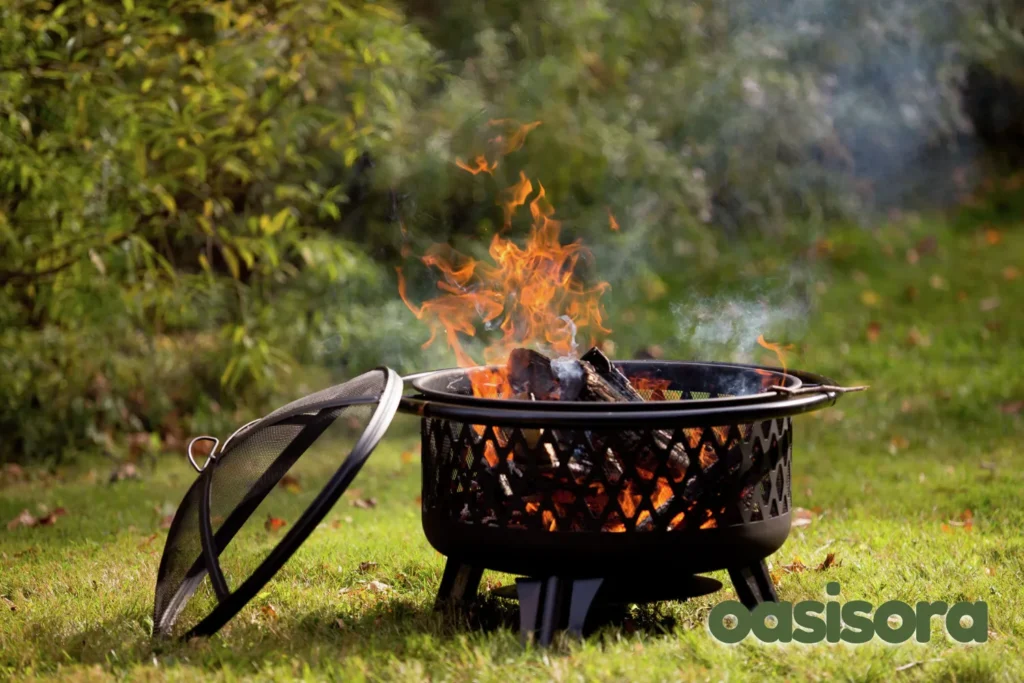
(777, 349)
(531, 293)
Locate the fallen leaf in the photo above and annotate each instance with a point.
(1010, 273)
(24, 518)
(418, 500)
(898, 443)
(365, 503)
(268, 611)
(1011, 407)
(378, 586)
(10, 605)
(967, 518)
(51, 518)
(125, 471)
(937, 282)
(829, 561)
(274, 523)
(961, 295)
(946, 529)
(290, 483)
(869, 298)
(166, 521)
(802, 517)
(993, 236)
(910, 293)
(927, 245)
(147, 541)
(12, 473)
(796, 567)
(989, 304)
(912, 256)
(367, 566)
(990, 571)
(340, 624)
(916, 338)
(874, 330)
(408, 456)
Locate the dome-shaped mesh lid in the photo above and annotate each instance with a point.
(238, 477)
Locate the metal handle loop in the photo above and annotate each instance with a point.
(209, 459)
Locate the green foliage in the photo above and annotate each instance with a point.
(174, 179)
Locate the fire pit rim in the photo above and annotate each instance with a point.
(598, 415)
(425, 383)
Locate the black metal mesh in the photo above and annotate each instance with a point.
(614, 481)
(243, 485)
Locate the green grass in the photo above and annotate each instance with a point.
(889, 471)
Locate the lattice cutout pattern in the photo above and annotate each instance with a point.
(613, 481)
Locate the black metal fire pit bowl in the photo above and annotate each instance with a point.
(586, 502)
(612, 501)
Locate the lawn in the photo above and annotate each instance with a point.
(914, 486)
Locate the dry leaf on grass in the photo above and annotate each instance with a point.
(993, 236)
(916, 338)
(869, 297)
(274, 523)
(408, 456)
(367, 566)
(268, 611)
(1011, 273)
(1011, 407)
(829, 561)
(874, 331)
(365, 503)
(989, 304)
(290, 483)
(25, 518)
(898, 443)
(802, 517)
(378, 586)
(125, 471)
(796, 567)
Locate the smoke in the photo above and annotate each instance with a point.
(727, 326)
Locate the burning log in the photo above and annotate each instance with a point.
(593, 378)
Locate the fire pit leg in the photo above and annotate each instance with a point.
(753, 584)
(459, 584)
(583, 593)
(546, 605)
(541, 608)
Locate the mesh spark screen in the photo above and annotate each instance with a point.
(221, 504)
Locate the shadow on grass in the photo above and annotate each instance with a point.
(388, 629)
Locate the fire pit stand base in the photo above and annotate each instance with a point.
(753, 585)
(549, 604)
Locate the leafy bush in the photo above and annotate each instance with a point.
(175, 181)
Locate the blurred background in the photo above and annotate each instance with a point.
(203, 204)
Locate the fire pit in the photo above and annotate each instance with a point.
(593, 481)
(578, 497)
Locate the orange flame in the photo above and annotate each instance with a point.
(516, 134)
(531, 293)
(612, 223)
(481, 165)
(778, 349)
(655, 386)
